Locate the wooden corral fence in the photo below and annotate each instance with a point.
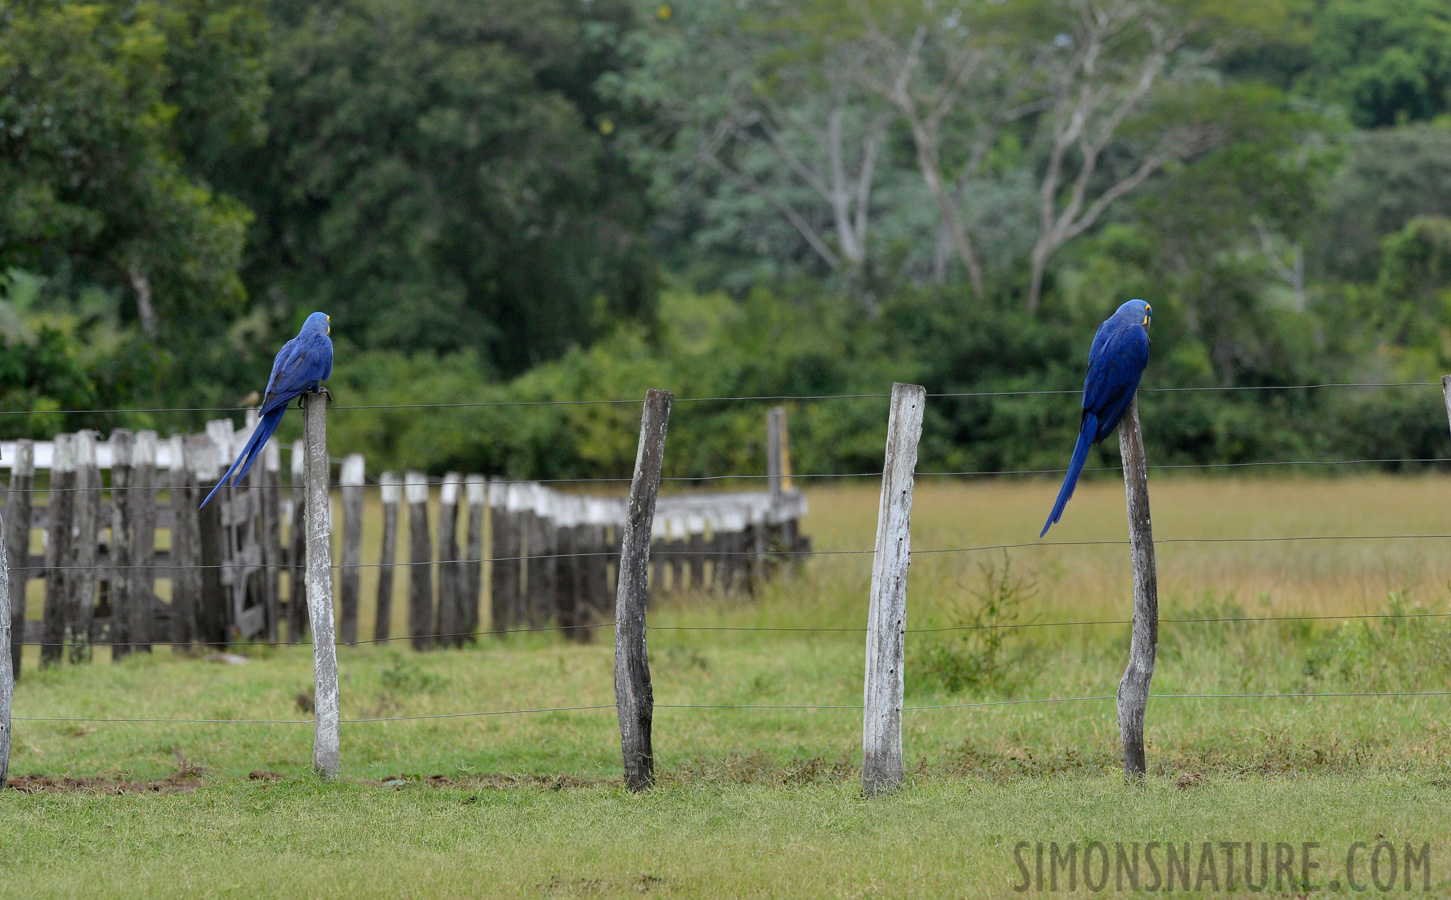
(538, 557)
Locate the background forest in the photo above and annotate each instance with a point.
(563, 199)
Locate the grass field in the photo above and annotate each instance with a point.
(764, 803)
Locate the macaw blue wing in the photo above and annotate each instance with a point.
(1116, 362)
(299, 367)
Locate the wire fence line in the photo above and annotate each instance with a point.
(611, 554)
(754, 398)
(374, 482)
(752, 707)
(815, 629)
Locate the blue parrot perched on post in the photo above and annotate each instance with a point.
(300, 367)
(1116, 361)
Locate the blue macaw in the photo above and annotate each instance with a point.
(300, 366)
(1115, 363)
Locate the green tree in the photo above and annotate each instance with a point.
(1387, 61)
(440, 176)
(92, 162)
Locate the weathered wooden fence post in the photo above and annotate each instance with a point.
(186, 578)
(775, 423)
(1133, 690)
(123, 562)
(568, 610)
(7, 673)
(476, 489)
(503, 558)
(18, 507)
(326, 713)
(212, 609)
(59, 503)
(351, 480)
(297, 538)
(142, 501)
(84, 535)
(634, 698)
(887, 614)
(449, 627)
(392, 492)
(420, 562)
(268, 484)
(540, 575)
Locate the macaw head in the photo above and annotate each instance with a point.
(318, 322)
(1137, 311)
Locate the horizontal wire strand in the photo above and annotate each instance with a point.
(774, 398)
(770, 629)
(1283, 695)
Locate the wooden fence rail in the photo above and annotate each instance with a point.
(131, 561)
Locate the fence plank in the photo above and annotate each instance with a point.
(186, 579)
(326, 712)
(420, 569)
(449, 625)
(504, 552)
(634, 697)
(887, 615)
(351, 575)
(539, 583)
(212, 613)
(123, 595)
(297, 537)
(392, 492)
(142, 501)
(85, 533)
(18, 507)
(270, 536)
(476, 490)
(1133, 689)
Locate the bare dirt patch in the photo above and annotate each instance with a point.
(180, 783)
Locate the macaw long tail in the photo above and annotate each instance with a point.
(252, 450)
(1086, 434)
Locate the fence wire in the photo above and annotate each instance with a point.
(754, 707)
(757, 398)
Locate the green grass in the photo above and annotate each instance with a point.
(759, 802)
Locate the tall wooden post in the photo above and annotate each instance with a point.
(319, 578)
(634, 698)
(476, 489)
(775, 424)
(123, 562)
(887, 613)
(186, 578)
(352, 573)
(18, 507)
(7, 672)
(142, 501)
(86, 524)
(391, 489)
(1133, 690)
(420, 553)
(297, 538)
